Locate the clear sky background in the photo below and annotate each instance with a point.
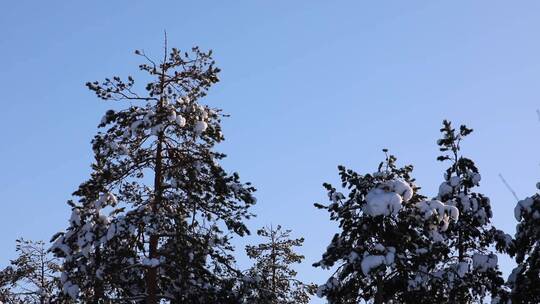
(309, 85)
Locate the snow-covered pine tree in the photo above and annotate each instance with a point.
(469, 272)
(525, 278)
(275, 279)
(32, 277)
(154, 221)
(381, 243)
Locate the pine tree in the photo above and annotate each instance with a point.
(153, 223)
(32, 277)
(381, 243)
(525, 278)
(469, 271)
(275, 279)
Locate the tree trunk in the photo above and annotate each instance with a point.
(42, 296)
(379, 296)
(98, 288)
(151, 274)
(273, 260)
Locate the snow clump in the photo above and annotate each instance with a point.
(200, 126)
(370, 262)
(387, 198)
(443, 213)
(483, 262)
(523, 206)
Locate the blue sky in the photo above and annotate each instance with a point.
(309, 85)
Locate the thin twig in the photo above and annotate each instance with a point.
(508, 187)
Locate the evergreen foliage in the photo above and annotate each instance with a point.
(396, 246)
(32, 277)
(272, 271)
(379, 242)
(525, 278)
(154, 221)
(469, 271)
